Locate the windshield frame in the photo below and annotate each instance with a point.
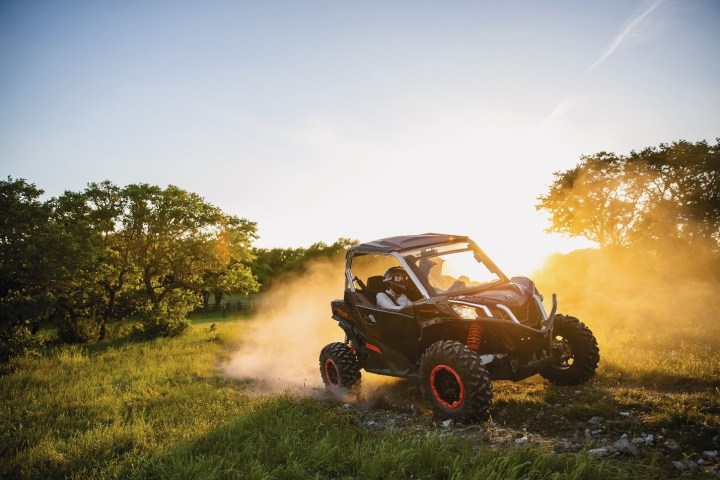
(412, 257)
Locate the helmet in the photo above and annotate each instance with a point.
(395, 278)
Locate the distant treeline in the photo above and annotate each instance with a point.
(271, 266)
(111, 253)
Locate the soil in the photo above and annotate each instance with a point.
(595, 418)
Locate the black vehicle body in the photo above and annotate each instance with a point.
(464, 323)
(516, 337)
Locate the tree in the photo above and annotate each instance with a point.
(96, 269)
(270, 264)
(168, 233)
(593, 200)
(84, 257)
(116, 274)
(77, 260)
(230, 273)
(670, 193)
(51, 260)
(684, 191)
(24, 265)
(273, 265)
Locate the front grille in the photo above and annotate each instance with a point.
(528, 314)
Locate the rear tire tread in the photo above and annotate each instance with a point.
(345, 360)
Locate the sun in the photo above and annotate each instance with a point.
(522, 254)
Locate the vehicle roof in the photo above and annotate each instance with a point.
(406, 242)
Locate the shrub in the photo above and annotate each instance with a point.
(17, 341)
(167, 318)
(78, 330)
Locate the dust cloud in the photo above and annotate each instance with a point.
(280, 348)
(663, 296)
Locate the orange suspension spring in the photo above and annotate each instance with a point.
(474, 337)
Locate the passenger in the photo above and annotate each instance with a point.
(395, 282)
(432, 269)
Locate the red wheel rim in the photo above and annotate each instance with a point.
(447, 387)
(331, 373)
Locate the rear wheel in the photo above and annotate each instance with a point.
(454, 381)
(339, 367)
(574, 355)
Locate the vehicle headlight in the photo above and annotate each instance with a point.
(466, 312)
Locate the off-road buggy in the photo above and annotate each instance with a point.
(467, 324)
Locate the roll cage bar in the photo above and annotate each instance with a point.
(357, 251)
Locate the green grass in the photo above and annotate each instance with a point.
(161, 409)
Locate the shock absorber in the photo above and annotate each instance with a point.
(474, 337)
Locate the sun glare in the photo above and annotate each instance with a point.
(523, 253)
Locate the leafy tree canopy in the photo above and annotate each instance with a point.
(25, 264)
(658, 196)
(84, 257)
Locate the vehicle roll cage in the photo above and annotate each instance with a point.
(350, 284)
(401, 254)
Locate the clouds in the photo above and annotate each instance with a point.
(636, 30)
(631, 30)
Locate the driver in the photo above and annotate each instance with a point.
(395, 283)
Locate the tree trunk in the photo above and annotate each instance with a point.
(147, 280)
(112, 293)
(206, 300)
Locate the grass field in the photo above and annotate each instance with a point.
(161, 409)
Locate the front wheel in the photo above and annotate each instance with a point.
(339, 367)
(454, 381)
(574, 354)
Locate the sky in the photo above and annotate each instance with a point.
(328, 119)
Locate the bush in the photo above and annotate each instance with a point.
(17, 341)
(168, 318)
(119, 329)
(159, 325)
(79, 330)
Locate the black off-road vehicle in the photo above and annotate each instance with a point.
(467, 324)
